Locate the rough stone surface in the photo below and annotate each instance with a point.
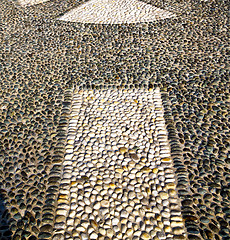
(42, 61)
(108, 129)
(115, 12)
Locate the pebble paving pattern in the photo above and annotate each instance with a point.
(118, 180)
(43, 60)
(30, 2)
(115, 12)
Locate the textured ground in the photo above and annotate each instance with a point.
(118, 179)
(43, 60)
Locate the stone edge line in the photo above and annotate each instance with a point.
(62, 136)
(181, 174)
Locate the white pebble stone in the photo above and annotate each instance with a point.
(93, 236)
(88, 209)
(115, 221)
(100, 133)
(124, 214)
(97, 205)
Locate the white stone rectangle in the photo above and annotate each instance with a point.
(118, 172)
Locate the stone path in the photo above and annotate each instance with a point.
(151, 160)
(118, 180)
(115, 12)
(110, 12)
(31, 2)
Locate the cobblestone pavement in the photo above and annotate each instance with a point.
(114, 119)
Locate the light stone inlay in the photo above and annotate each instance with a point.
(118, 180)
(31, 2)
(115, 12)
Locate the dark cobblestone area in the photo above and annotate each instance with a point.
(42, 60)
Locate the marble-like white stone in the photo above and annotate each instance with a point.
(31, 2)
(115, 12)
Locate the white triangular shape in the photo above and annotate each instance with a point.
(115, 12)
(31, 2)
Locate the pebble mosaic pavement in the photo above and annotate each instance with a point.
(115, 12)
(48, 66)
(30, 2)
(118, 180)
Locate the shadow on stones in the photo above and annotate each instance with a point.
(5, 233)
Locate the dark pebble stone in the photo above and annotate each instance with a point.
(193, 237)
(188, 210)
(36, 209)
(209, 234)
(44, 235)
(223, 223)
(187, 202)
(13, 202)
(210, 211)
(13, 227)
(56, 167)
(50, 201)
(20, 224)
(37, 215)
(46, 228)
(204, 219)
(182, 192)
(218, 209)
(213, 227)
(22, 206)
(35, 193)
(32, 238)
(35, 230)
(202, 226)
(7, 233)
(55, 173)
(207, 196)
(193, 230)
(47, 220)
(160, 234)
(32, 221)
(52, 188)
(40, 167)
(19, 196)
(189, 217)
(224, 233)
(47, 215)
(16, 237)
(201, 190)
(28, 214)
(202, 233)
(17, 216)
(20, 201)
(179, 237)
(51, 196)
(217, 237)
(226, 210)
(134, 156)
(11, 194)
(26, 233)
(41, 186)
(214, 185)
(48, 209)
(14, 210)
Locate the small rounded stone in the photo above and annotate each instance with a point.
(145, 236)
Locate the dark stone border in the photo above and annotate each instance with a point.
(58, 157)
